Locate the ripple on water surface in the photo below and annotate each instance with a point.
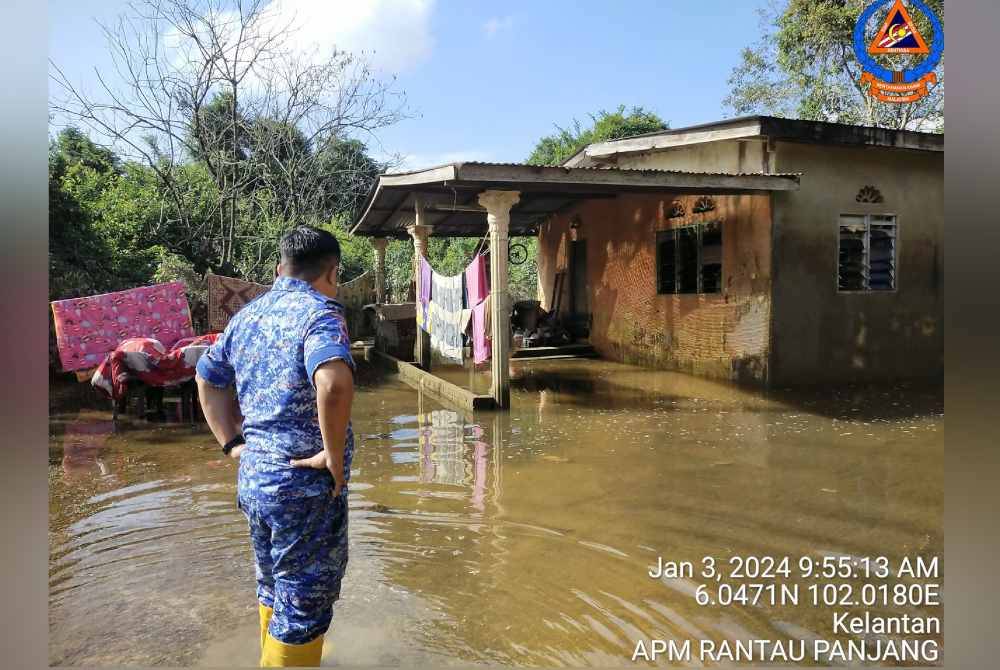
(521, 538)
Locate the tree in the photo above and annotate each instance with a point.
(804, 66)
(76, 250)
(555, 149)
(221, 84)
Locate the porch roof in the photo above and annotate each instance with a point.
(449, 193)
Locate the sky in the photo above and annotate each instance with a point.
(486, 80)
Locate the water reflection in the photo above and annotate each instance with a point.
(520, 538)
(83, 445)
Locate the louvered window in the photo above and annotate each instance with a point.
(689, 259)
(867, 253)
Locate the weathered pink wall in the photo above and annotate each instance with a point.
(724, 335)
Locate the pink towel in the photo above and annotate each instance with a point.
(481, 342)
(477, 280)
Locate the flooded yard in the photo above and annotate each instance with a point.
(522, 538)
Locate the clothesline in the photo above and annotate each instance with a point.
(446, 304)
(475, 255)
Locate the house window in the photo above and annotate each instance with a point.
(689, 259)
(867, 253)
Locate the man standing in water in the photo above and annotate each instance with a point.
(286, 357)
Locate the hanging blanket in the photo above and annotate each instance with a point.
(151, 362)
(424, 292)
(477, 280)
(358, 292)
(445, 316)
(482, 344)
(87, 329)
(477, 288)
(226, 296)
(354, 295)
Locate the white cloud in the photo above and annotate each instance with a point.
(391, 35)
(395, 35)
(497, 24)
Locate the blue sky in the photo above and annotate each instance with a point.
(486, 80)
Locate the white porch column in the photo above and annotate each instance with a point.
(498, 204)
(379, 244)
(419, 231)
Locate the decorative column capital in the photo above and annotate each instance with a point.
(380, 244)
(498, 204)
(419, 232)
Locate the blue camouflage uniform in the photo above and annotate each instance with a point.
(298, 528)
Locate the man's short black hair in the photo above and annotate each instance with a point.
(308, 252)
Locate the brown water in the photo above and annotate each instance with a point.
(521, 538)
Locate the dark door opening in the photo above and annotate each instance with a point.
(578, 322)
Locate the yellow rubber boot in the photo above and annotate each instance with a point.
(277, 654)
(265, 619)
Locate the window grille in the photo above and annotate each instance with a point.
(866, 253)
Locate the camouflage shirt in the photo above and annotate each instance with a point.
(270, 350)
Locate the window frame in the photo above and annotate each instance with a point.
(867, 216)
(699, 231)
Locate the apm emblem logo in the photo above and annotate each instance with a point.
(898, 35)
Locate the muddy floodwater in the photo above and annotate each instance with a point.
(523, 538)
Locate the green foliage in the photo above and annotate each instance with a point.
(524, 277)
(95, 235)
(804, 66)
(555, 149)
(173, 267)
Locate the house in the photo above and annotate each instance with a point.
(759, 250)
(839, 280)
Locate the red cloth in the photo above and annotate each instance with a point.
(146, 359)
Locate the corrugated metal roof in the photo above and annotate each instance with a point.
(450, 193)
(598, 169)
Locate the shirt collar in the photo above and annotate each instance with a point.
(295, 284)
(291, 284)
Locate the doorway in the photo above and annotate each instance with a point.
(578, 322)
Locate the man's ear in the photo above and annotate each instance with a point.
(277, 270)
(331, 274)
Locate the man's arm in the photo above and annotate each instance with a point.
(217, 394)
(221, 411)
(334, 383)
(327, 358)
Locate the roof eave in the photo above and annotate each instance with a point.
(539, 183)
(774, 128)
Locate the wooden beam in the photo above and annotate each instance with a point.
(440, 389)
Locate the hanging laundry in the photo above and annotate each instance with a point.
(150, 361)
(477, 280)
(478, 291)
(482, 345)
(424, 288)
(445, 316)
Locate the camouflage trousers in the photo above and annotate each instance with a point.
(300, 555)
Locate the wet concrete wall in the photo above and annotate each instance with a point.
(726, 156)
(818, 334)
(723, 335)
(821, 335)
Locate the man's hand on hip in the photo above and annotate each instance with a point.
(322, 462)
